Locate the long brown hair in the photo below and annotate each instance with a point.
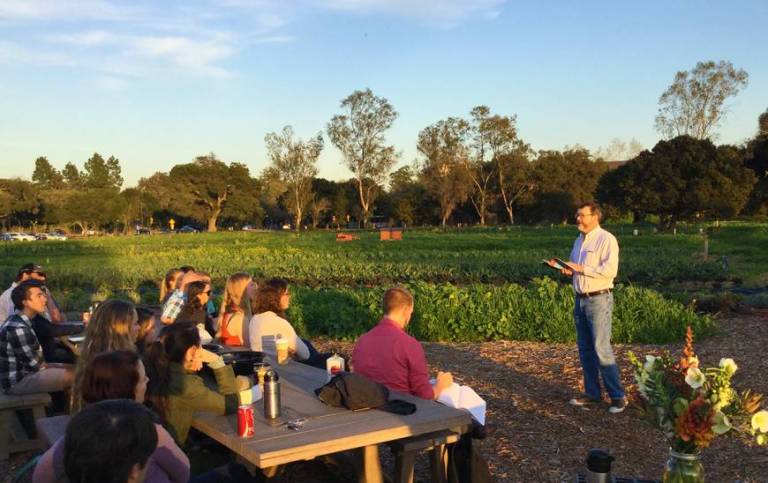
(110, 375)
(172, 346)
(108, 330)
(268, 296)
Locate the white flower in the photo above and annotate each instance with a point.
(695, 378)
(721, 423)
(729, 366)
(649, 361)
(760, 421)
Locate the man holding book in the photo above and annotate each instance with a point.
(593, 264)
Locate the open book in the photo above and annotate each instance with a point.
(464, 397)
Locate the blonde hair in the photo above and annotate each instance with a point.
(396, 298)
(108, 330)
(234, 294)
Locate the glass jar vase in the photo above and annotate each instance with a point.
(683, 468)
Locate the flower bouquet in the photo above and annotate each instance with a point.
(692, 405)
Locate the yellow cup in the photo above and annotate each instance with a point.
(282, 350)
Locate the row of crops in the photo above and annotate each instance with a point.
(473, 285)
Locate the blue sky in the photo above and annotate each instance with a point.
(157, 83)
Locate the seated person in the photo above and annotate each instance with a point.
(146, 322)
(271, 301)
(235, 309)
(113, 327)
(22, 367)
(197, 295)
(48, 333)
(388, 355)
(110, 442)
(178, 298)
(30, 271)
(175, 391)
(119, 375)
(169, 284)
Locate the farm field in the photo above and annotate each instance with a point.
(470, 285)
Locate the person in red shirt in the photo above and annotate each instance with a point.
(388, 355)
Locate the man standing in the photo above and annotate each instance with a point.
(593, 264)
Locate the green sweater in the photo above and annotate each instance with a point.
(187, 394)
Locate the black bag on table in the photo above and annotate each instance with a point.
(355, 392)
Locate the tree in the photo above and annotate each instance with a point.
(25, 201)
(562, 180)
(72, 176)
(295, 163)
(359, 135)
(443, 173)
(682, 178)
(478, 164)
(92, 208)
(46, 176)
(204, 189)
(515, 177)
(695, 102)
(6, 205)
(757, 160)
(98, 173)
(618, 150)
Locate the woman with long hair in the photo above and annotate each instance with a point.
(146, 323)
(195, 311)
(270, 303)
(113, 327)
(175, 391)
(118, 375)
(235, 309)
(168, 284)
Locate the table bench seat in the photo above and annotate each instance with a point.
(13, 437)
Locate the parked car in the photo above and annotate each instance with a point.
(51, 236)
(143, 230)
(17, 236)
(188, 229)
(248, 228)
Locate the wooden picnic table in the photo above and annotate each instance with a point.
(327, 430)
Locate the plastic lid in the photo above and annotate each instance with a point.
(271, 376)
(599, 461)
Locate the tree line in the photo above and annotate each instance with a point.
(470, 170)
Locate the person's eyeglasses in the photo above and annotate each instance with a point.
(208, 292)
(582, 215)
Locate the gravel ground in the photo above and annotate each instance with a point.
(539, 437)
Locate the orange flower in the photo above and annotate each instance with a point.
(695, 424)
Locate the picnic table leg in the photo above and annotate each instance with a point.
(369, 469)
(438, 463)
(404, 464)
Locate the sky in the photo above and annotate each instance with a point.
(157, 83)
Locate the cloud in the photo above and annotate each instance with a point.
(14, 53)
(442, 12)
(109, 83)
(65, 9)
(199, 56)
(88, 38)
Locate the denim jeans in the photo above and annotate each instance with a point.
(592, 316)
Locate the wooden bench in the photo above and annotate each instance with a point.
(13, 436)
(405, 451)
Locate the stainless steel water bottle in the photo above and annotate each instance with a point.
(599, 466)
(271, 394)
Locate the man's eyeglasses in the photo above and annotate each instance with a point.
(582, 215)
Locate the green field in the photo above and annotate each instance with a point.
(496, 274)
